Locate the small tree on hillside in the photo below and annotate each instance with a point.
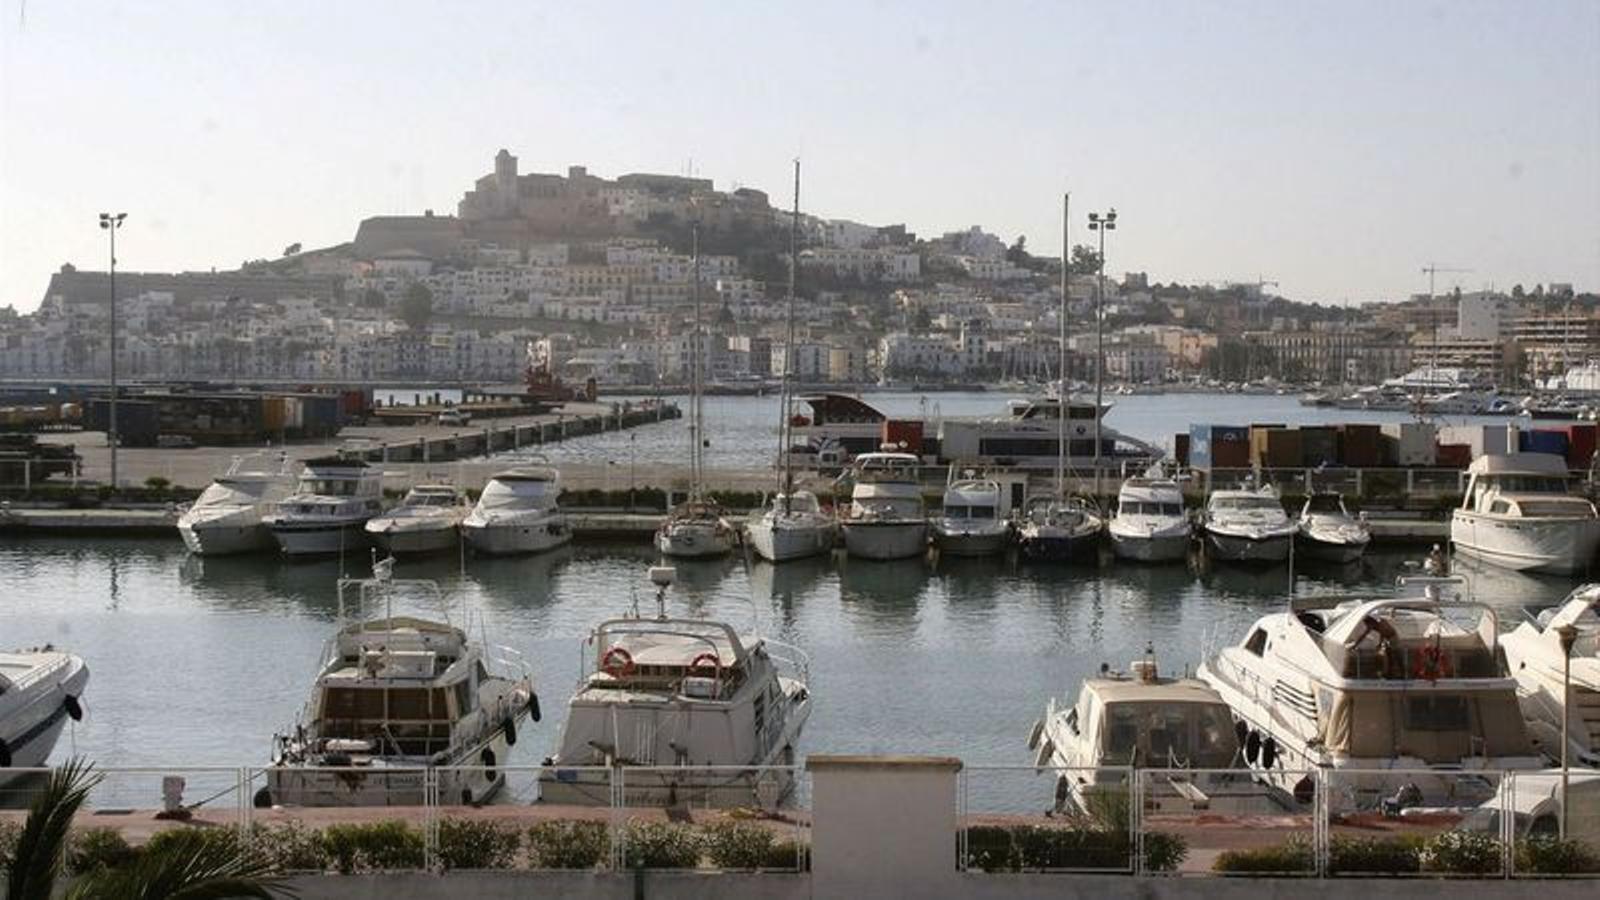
(416, 308)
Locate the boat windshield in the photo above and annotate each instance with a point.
(1325, 503)
(1246, 503)
(232, 493)
(960, 511)
(430, 498)
(1531, 484)
(328, 487)
(499, 495)
(1576, 506)
(1168, 734)
(1151, 508)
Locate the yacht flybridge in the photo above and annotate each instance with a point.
(230, 515)
(1364, 686)
(1536, 657)
(685, 711)
(329, 508)
(1144, 720)
(397, 694)
(1517, 513)
(39, 691)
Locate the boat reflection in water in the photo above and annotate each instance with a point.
(885, 588)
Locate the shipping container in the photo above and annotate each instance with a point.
(903, 434)
(138, 421)
(274, 415)
(1219, 447)
(1180, 449)
(1409, 444)
(1581, 444)
(1275, 448)
(1543, 440)
(1319, 446)
(1359, 446)
(1483, 439)
(1453, 456)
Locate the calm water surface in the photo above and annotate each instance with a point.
(199, 661)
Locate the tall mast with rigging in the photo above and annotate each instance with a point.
(695, 387)
(784, 433)
(1061, 350)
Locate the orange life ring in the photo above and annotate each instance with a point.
(617, 662)
(1432, 663)
(713, 661)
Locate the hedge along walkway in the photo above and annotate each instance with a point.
(137, 826)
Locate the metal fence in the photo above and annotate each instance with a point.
(1317, 823)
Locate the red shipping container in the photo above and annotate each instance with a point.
(1230, 455)
(1360, 446)
(1180, 448)
(903, 434)
(1454, 456)
(1580, 444)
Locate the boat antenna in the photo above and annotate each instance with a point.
(1061, 350)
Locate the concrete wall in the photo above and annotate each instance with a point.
(567, 885)
(891, 826)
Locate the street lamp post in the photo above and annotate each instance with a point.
(111, 222)
(1568, 635)
(1101, 224)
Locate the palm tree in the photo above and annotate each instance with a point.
(192, 867)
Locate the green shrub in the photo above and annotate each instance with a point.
(1374, 856)
(788, 856)
(661, 845)
(1461, 853)
(290, 847)
(732, 844)
(157, 483)
(991, 848)
(477, 844)
(189, 837)
(98, 848)
(1164, 851)
(1046, 847)
(1292, 857)
(1553, 856)
(373, 847)
(9, 832)
(568, 845)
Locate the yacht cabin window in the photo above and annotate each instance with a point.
(1150, 508)
(1500, 507)
(1247, 503)
(328, 487)
(1168, 734)
(1257, 643)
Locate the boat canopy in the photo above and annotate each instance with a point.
(839, 409)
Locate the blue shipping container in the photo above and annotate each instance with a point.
(1543, 441)
(1219, 446)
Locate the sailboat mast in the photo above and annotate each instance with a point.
(695, 387)
(788, 346)
(1061, 349)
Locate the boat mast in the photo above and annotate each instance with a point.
(695, 387)
(784, 436)
(1061, 348)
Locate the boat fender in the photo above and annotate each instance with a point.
(533, 707)
(1269, 752)
(1046, 750)
(73, 707)
(1035, 733)
(5, 755)
(1252, 747)
(1241, 730)
(1305, 790)
(511, 731)
(1063, 791)
(262, 799)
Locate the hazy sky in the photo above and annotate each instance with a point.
(1334, 147)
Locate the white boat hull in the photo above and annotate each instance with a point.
(1331, 551)
(1248, 549)
(225, 538)
(1148, 547)
(784, 542)
(513, 538)
(32, 718)
(885, 540)
(971, 541)
(301, 538)
(694, 540)
(439, 538)
(1558, 546)
(477, 782)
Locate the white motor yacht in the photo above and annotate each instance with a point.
(230, 515)
(1517, 513)
(794, 526)
(1143, 720)
(697, 529)
(1359, 687)
(886, 519)
(687, 711)
(972, 523)
(1535, 655)
(1248, 525)
(428, 520)
(1328, 532)
(1060, 529)
(1150, 524)
(40, 689)
(397, 694)
(518, 512)
(329, 509)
